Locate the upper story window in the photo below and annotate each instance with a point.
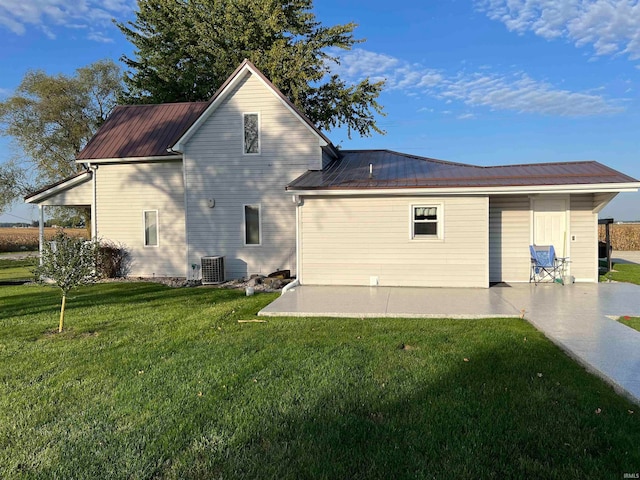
(251, 133)
(426, 221)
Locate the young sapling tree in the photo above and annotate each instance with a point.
(67, 263)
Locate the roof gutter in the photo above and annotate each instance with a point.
(156, 158)
(534, 189)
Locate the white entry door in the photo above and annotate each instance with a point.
(550, 224)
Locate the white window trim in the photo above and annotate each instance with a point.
(439, 222)
(244, 224)
(144, 229)
(259, 134)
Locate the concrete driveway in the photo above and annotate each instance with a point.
(575, 317)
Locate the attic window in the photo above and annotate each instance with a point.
(251, 133)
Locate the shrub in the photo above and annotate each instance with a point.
(113, 259)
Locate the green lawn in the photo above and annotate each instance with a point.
(152, 382)
(633, 322)
(14, 270)
(623, 272)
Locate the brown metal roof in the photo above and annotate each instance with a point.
(149, 130)
(142, 130)
(398, 170)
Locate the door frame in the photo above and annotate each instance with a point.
(567, 219)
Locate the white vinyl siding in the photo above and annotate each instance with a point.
(81, 194)
(124, 192)
(583, 239)
(215, 168)
(509, 238)
(342, 243)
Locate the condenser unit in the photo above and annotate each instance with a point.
(212, 270)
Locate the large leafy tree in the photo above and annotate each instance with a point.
(185, 49)
(50, 118)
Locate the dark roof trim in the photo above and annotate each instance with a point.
(56, 184)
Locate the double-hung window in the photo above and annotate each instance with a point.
(426, 221)
(251, 133)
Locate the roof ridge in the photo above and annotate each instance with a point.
(160, 104)
(410, 155)
(566, 162)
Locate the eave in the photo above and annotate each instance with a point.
(466, 191)
(53, 189)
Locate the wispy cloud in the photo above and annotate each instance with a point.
(94, 15)
(514, 91)
(608, 26)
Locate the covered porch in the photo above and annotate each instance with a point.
(76, 191)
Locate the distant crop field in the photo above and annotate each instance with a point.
(624, 236)
(26, 239)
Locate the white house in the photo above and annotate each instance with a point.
(247, 176)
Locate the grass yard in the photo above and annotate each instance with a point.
(623, 272)
(151, 382)
(633, 322)
(14, 270)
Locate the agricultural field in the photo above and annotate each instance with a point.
(624, 236)
(26, 239)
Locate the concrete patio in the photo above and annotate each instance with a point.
(575, 317)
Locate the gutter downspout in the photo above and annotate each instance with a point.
(185, 209)
(94, 206)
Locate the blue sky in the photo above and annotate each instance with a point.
(487, 82)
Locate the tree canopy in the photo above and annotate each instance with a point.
(185, 50)
(50, 119)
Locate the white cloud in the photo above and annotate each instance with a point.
(466, 116)
(513, 91)
(608, 26)
(520, 93)
(44, 15)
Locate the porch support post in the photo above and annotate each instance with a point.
(608, 241)
(40, 232)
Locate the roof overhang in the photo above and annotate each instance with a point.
(158, 158)
(244, 69)
(56, 188)
(509, 190)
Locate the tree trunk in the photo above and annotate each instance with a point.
(64, 299)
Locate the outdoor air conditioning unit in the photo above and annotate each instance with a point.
(212, 270)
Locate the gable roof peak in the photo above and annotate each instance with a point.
(226, 87)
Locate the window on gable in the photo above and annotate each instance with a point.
(150, 219)
(426, 221)
(252, 225)
(251, 133)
